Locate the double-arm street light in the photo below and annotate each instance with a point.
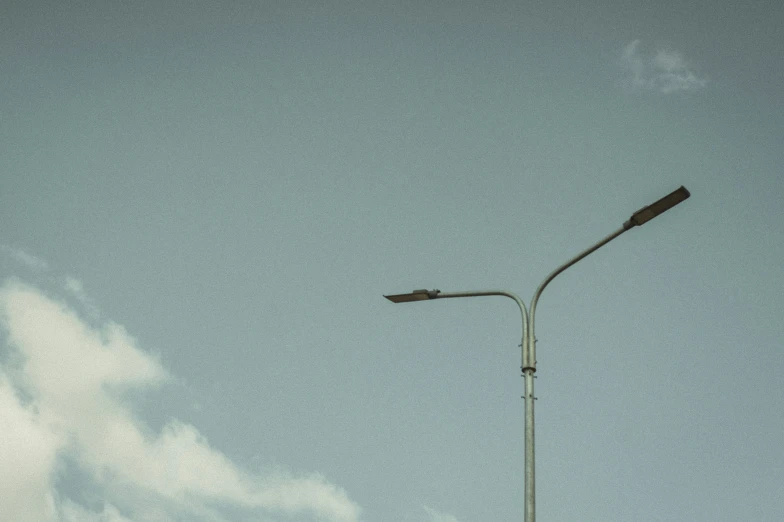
(528, 343)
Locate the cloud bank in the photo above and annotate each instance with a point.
(665, 71)
(63, 403)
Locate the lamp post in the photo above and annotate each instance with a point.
(528, 344)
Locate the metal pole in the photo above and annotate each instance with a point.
(529, 505)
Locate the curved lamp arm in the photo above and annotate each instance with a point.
(425, 295)
(553, 274)
(640, 217)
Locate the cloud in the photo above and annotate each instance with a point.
(63, 400)
(28, 451)
(30, 261)
(76, 287)
(72, 512)
(437, 516)
(665, 71)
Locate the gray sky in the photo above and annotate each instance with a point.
(203, 203)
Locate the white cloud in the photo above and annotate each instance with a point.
(30, 261)
(437, 516)
(665, 71)
(28, 452)
(61, 393)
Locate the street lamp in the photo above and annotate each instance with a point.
(528, 343)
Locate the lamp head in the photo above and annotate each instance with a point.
(645, 214)
(416, 295)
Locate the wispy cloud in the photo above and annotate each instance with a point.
(28, 260)
(72, 512)
(664, 71)
(76, 289)
(62, 385)
(437, 516)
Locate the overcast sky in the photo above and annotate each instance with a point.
(203, 203)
